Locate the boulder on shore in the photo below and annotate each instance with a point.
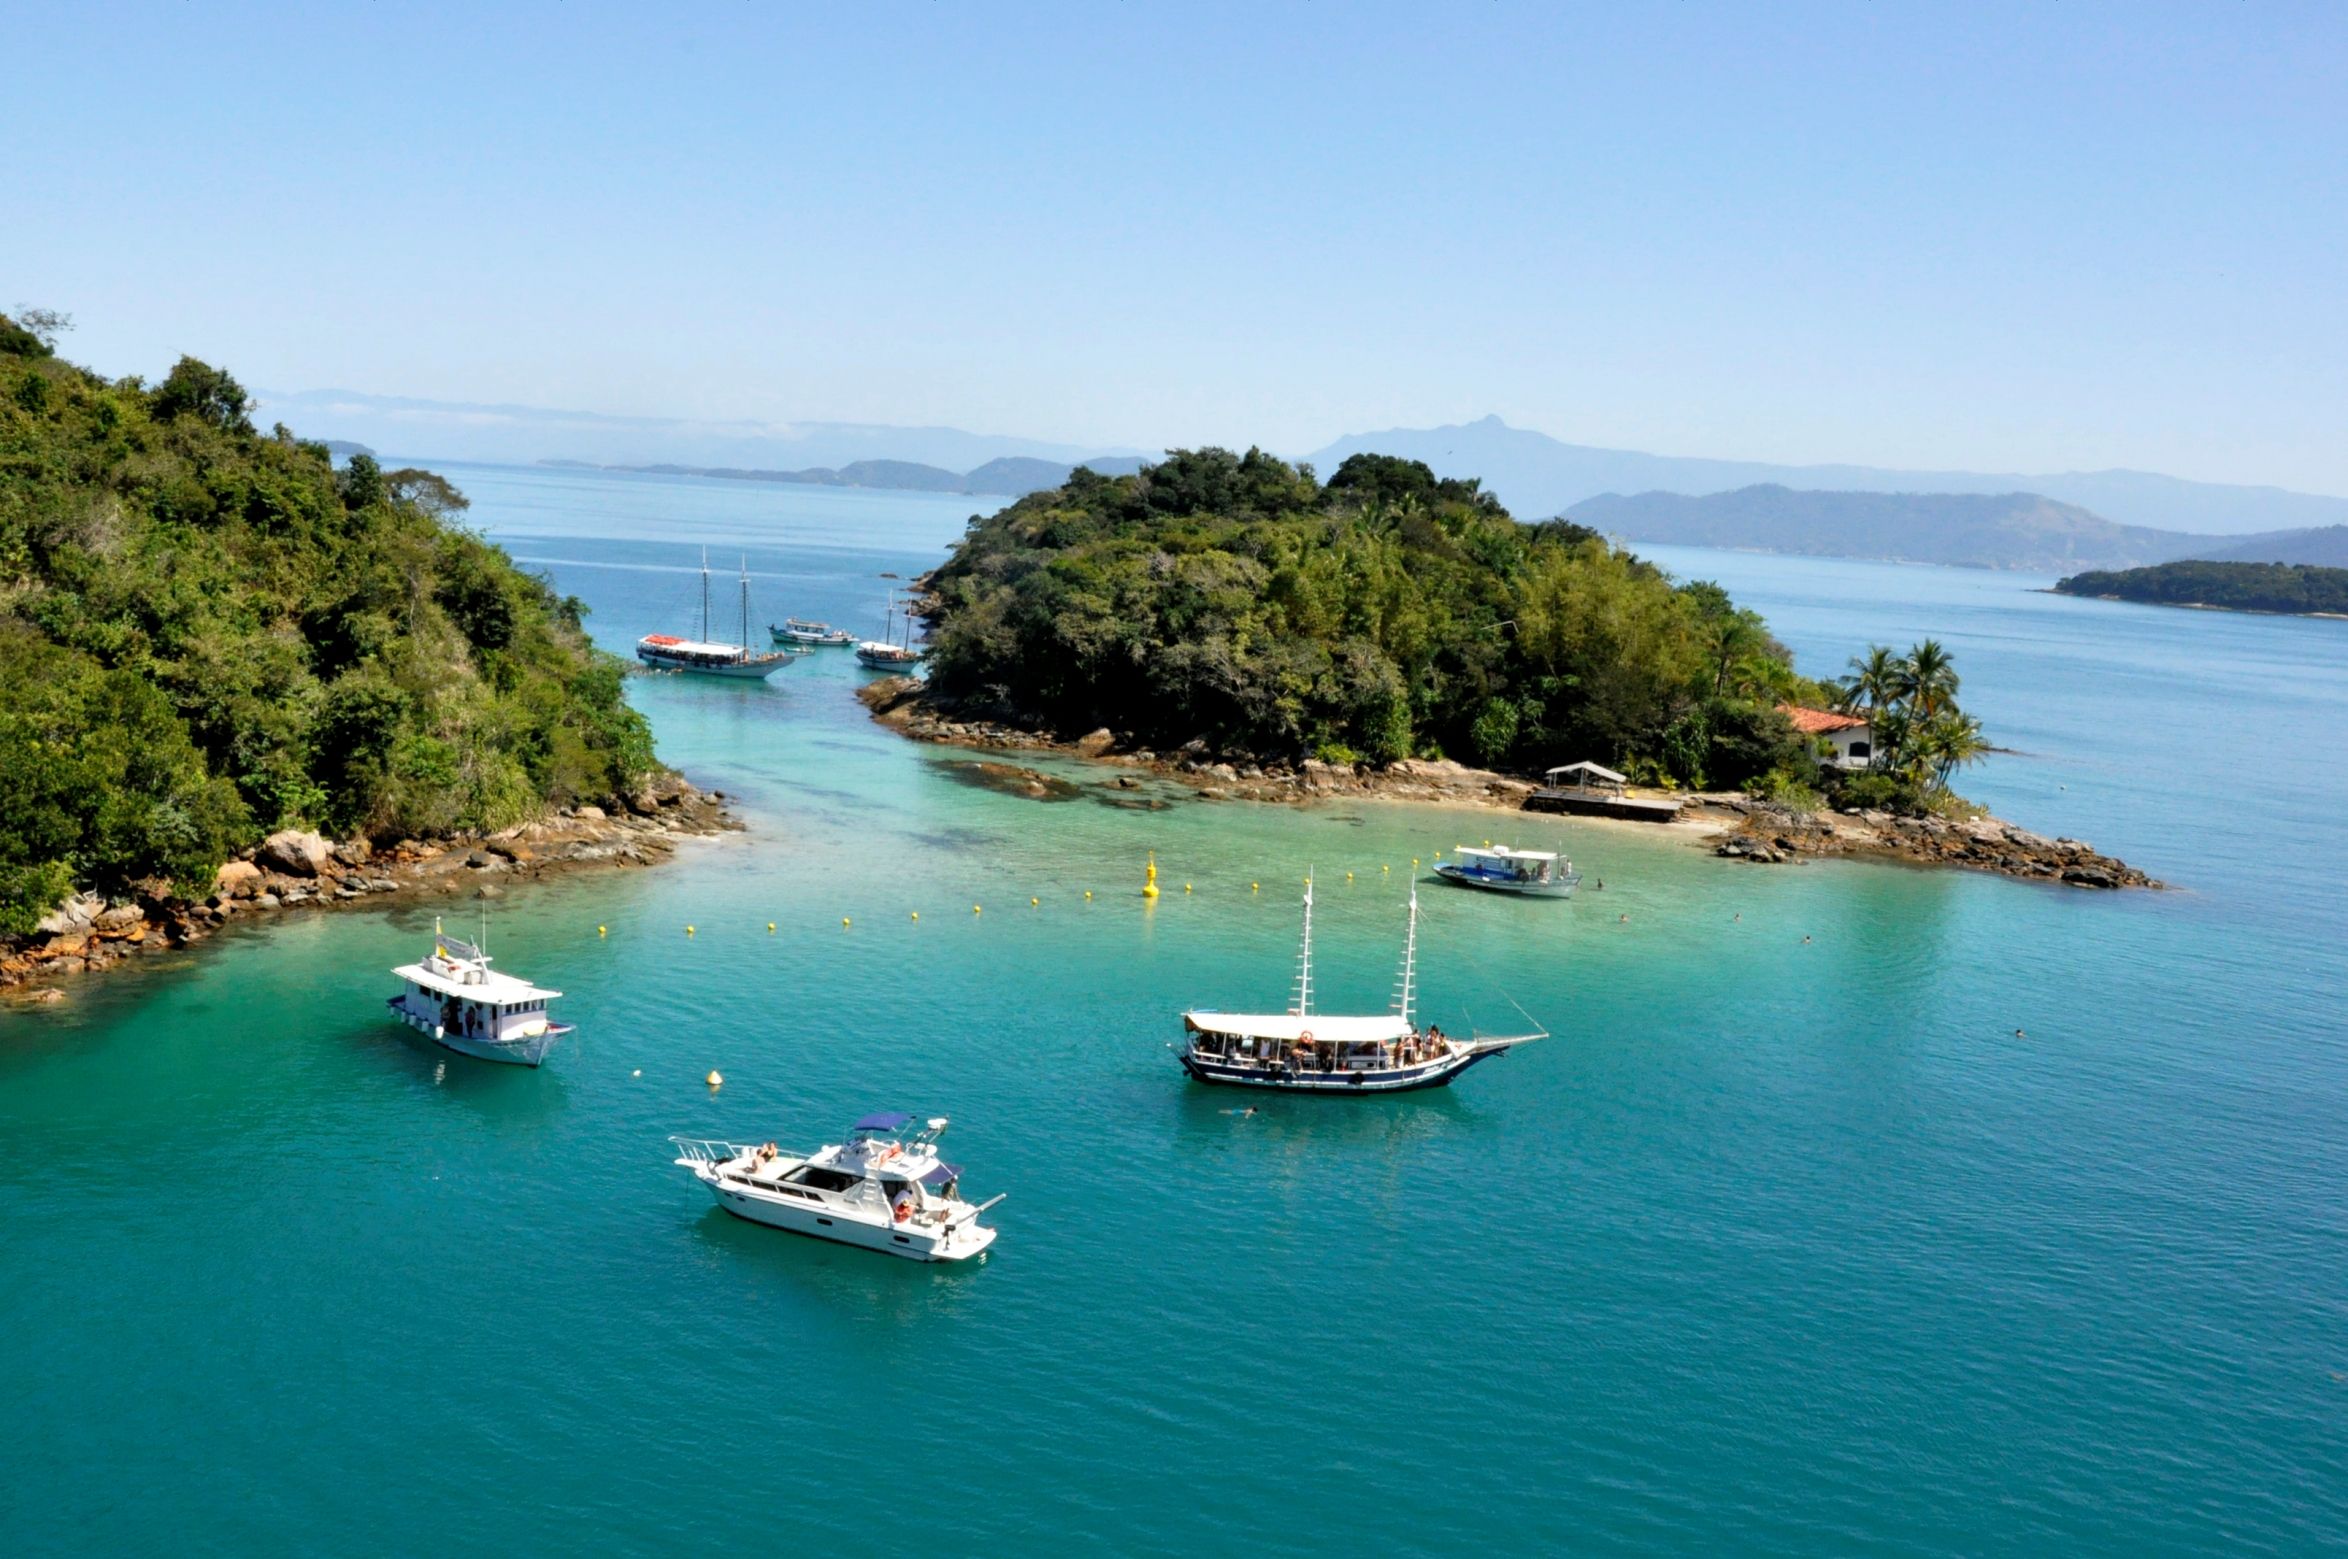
(237, 880)
(295, 853)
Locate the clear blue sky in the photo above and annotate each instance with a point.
(2027, 238)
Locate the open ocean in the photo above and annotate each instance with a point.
(1777, 1247)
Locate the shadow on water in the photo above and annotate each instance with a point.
(871, 1283)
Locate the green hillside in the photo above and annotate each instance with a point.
(1385, 614)
(207, 633)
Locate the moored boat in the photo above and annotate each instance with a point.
(797, 630)
(1536, 874)
(705, 656)
(877, 1190)
(886, 653)
(456, 999)
(1301, 1051)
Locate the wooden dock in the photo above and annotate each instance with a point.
(1601, 803)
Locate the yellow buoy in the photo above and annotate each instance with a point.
(715, 1081)
(974, 909)
(1385, 868)
(1349, 876)
(917, 914)
(1032, 903)
(599, 930)
(1186, 887)
(1088, 895)
(770, 928)
(1149, 888)
(1255, 887)
(688, 931)
(843, 920)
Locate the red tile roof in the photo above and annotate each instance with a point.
(1817, 722)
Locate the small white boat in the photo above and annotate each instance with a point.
(456, 999)
(876, 1190)
(885, 653)
(705, 656)
(1301, 1051)
(797, 630)
(1536, 874)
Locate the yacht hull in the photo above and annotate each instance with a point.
(523, 1050)
(1562, 888)
(1399, 1079)
(841, 1227)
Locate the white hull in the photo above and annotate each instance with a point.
(1556, 888)
(845, 1226)
(522, 1050)
(756, 669)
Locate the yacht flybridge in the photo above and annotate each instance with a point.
(878, 1190)
(667, 652)
(455, 998)
(1308, 1052)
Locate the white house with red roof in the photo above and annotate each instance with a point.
(1850, 740)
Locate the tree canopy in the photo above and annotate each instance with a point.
(206, 633)
(1384, 614)
(2247, 587)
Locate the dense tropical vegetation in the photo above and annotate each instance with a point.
(1384, 614)
(2243, 587)
(207, 633)
(1919, 737)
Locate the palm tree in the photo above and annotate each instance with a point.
(1928, 680)
(1876, 680)
(1948, 741)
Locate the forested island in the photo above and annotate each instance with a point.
(209, 634)
(2299, 589)
(1385, 614)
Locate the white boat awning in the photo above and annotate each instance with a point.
(502, 990)
(1385, 1027)
(1589, 771)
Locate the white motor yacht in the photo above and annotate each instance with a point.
(458, 1000)
(877, 1189)
(1533, 874)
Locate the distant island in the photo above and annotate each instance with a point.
(1009, 476)
(213, 641)
(2299, 590)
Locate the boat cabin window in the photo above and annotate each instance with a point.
(817, 1176)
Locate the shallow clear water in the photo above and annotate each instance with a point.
(1778, 1246)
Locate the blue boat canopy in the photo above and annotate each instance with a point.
(943, 1175)
(884, 1120)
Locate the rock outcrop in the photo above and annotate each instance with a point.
(292, 869)
(1770, 835)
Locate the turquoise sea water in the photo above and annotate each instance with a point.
(1779, 1246)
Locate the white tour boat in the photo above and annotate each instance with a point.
(1307, 1052)
(877, 1190)
(454, 997)
(1534, 874)
(704, 656)
(798, 630)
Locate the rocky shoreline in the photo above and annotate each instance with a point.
(1736, 826)
(293, 870)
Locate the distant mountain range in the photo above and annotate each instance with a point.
(1536, 475)
(2008, 530)
(2325, 548)
(519, 435)
(1011, 476)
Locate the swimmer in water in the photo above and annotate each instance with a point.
(1805, 941)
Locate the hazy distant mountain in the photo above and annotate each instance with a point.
(1010, 477)
(1536, 475)
(2008, 530)
(455, 430)
(2325, 548)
